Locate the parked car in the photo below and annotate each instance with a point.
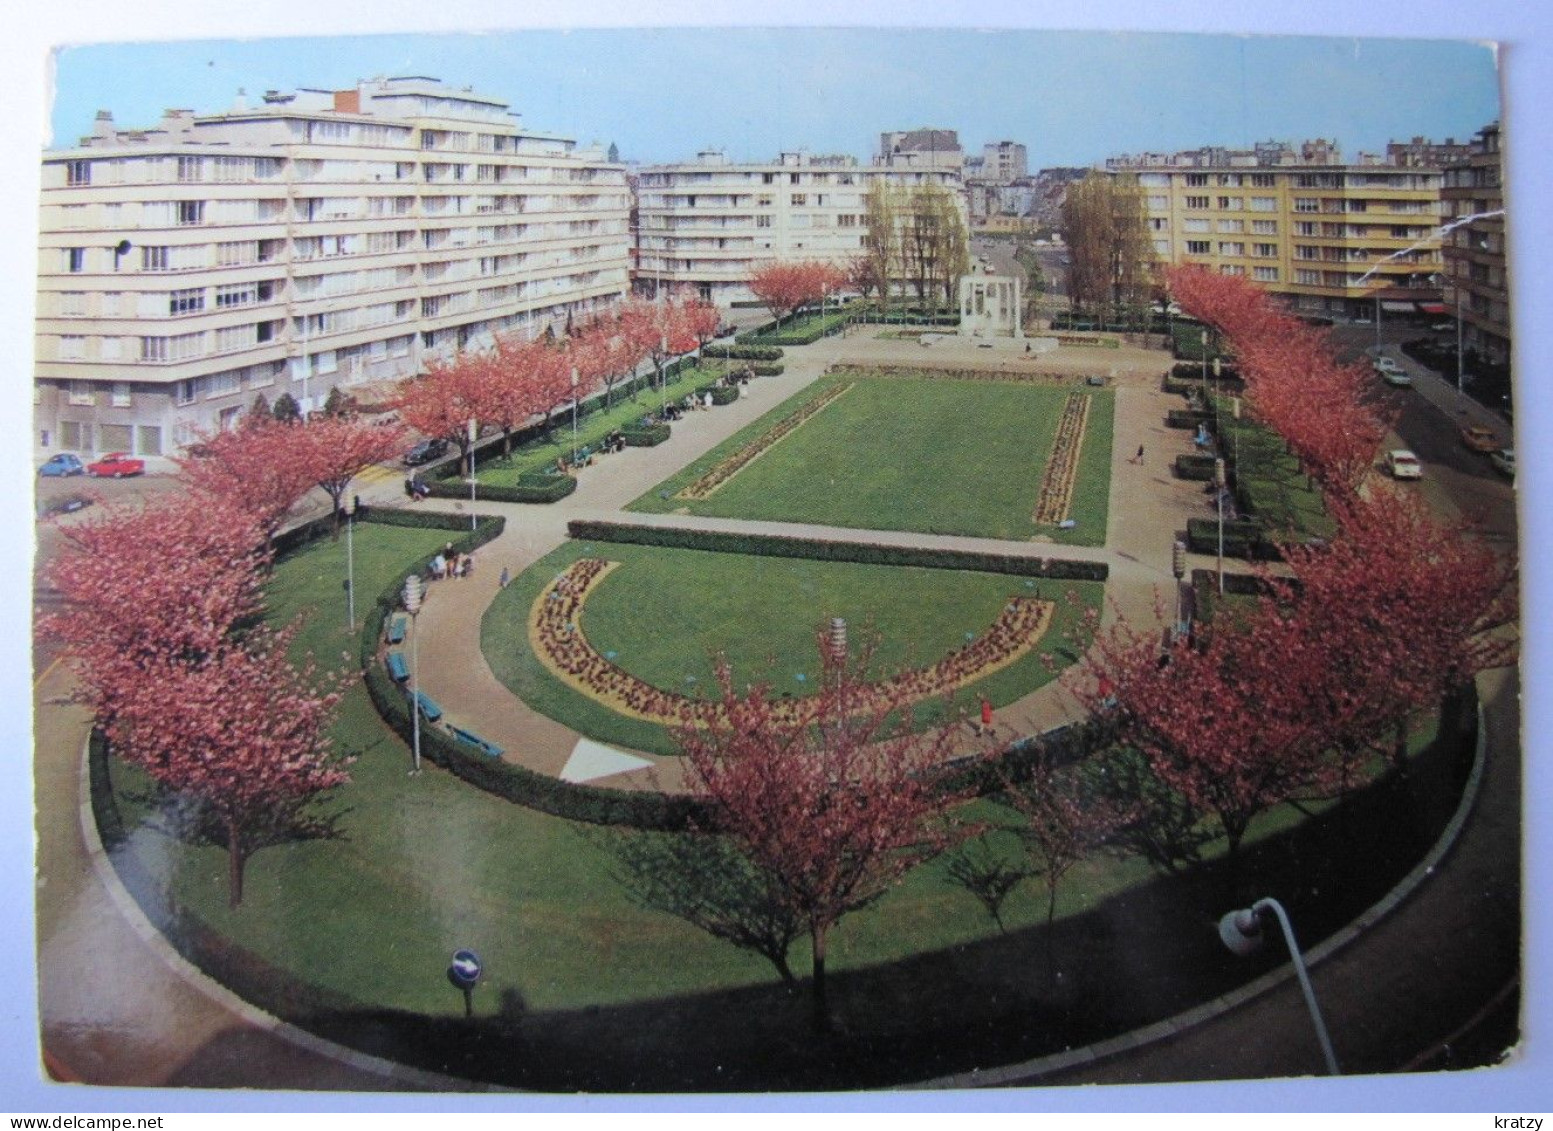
(425, 452)
(1440, 327)
(62, 465)
(1504, 461)
(1392, 373)
(1479, 438)
(116, 465)
(1403, 464)
(63, 504)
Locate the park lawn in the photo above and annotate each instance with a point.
(541, 453)
(1286, 501)
(665, 613)
(352, 934)
(934, 456)
(803, 330)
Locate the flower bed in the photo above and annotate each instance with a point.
(556, 636)
(1056, 495)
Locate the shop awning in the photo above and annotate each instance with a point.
(1432, 307)
(1397, 307)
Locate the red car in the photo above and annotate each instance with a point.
(116, 465)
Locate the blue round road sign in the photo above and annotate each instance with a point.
(465, 970)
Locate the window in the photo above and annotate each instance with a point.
(1262, 180)
(78, 173)
(72, 347)
(119, 396)
(1158, 203)
(763, 221)
(81, 393)
(1197, 202)
(1306, 204)
(1231, 269)
(72, 304)
(1197, 247)
(1231, 227)
(110, 304)
(763, 200)
(1308, 278)
(1231, 203)
(800, 199)
(1304, 227)
(1264, 204)
(1265, 227)
(154, 258)
(1197, 224)
(1265, 274)
(187, 301)
(1264, 250)
(1196, 180)
(1234, 248)
(191, 169)
(185, 392)
(191, 212)
(1306, 251)
(75, 260)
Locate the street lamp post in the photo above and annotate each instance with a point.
(574, 416)
(413, 594)
(474, 432)
(1218, 483)
(1241, 931)
(663, 381)
(1178, 567)
(1205, 369)
(350, 562)
(1460, 362)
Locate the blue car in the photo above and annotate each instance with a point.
(62, 465)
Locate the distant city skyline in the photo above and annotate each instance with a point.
(660, 95)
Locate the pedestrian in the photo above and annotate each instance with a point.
(986, 715)
(506, 577)
(1139, 457)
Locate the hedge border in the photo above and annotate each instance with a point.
(864, 553)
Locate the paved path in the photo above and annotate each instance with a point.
(117, 1007)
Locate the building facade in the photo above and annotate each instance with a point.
(708, 224)
(1477, 286)
(925, 148)
(317, 239)
(1334, 239)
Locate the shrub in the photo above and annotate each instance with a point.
(865, 553)
(768, 369)
(743, 353)
(645, 435)
(721, 394)
(1186, 418)
(1243, 538)
(1194, 467)
(532, 487)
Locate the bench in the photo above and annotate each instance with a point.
(429, 708)
(396, 628)
(469, 738)
(397, 667)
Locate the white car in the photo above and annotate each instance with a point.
(1504, 461)
(1403, 464)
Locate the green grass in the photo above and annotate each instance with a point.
(933, 456)
(1270, 479)
(542, 453)
(665, 613)
(357, 930)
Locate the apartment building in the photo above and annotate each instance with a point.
(1335, 239)
(1477, 287)
(710, 223)
(319, 238)
(925, 148)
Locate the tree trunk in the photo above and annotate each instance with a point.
(784, 971)
(1051, 917)
(235, 861)
(821, 1017)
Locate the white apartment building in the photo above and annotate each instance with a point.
(317, 239)
(710, 223)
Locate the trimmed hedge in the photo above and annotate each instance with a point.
(645, 435)
(589, 804)
(1186, 418)
(532, 487)
(1195, 467)
(1243, 538)
(721, 394)
(743, 353)
(768, 369)
(865, 553)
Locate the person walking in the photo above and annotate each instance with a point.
(505, 579)
(986, 716)
(1139, 457)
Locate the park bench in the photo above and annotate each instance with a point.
(397, 667)
(429, 708)
(396, 628)
(469, 738)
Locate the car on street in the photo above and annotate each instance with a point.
(61, 466)
(116, 465)
(1504, 461)
(1440, 327)
(63, 504)
(425, 452)
(1403, 464)
(1479, 438)
(1392, 373)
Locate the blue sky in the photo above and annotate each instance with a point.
(1072, 97)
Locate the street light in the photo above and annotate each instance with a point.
(474, 433)
(350, 562)
(1241, 931)
(1205, 368)
(574, 416)
(413, 593)
(1178, 567)
(1218, 483)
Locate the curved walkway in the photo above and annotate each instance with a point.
(116, 1008)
